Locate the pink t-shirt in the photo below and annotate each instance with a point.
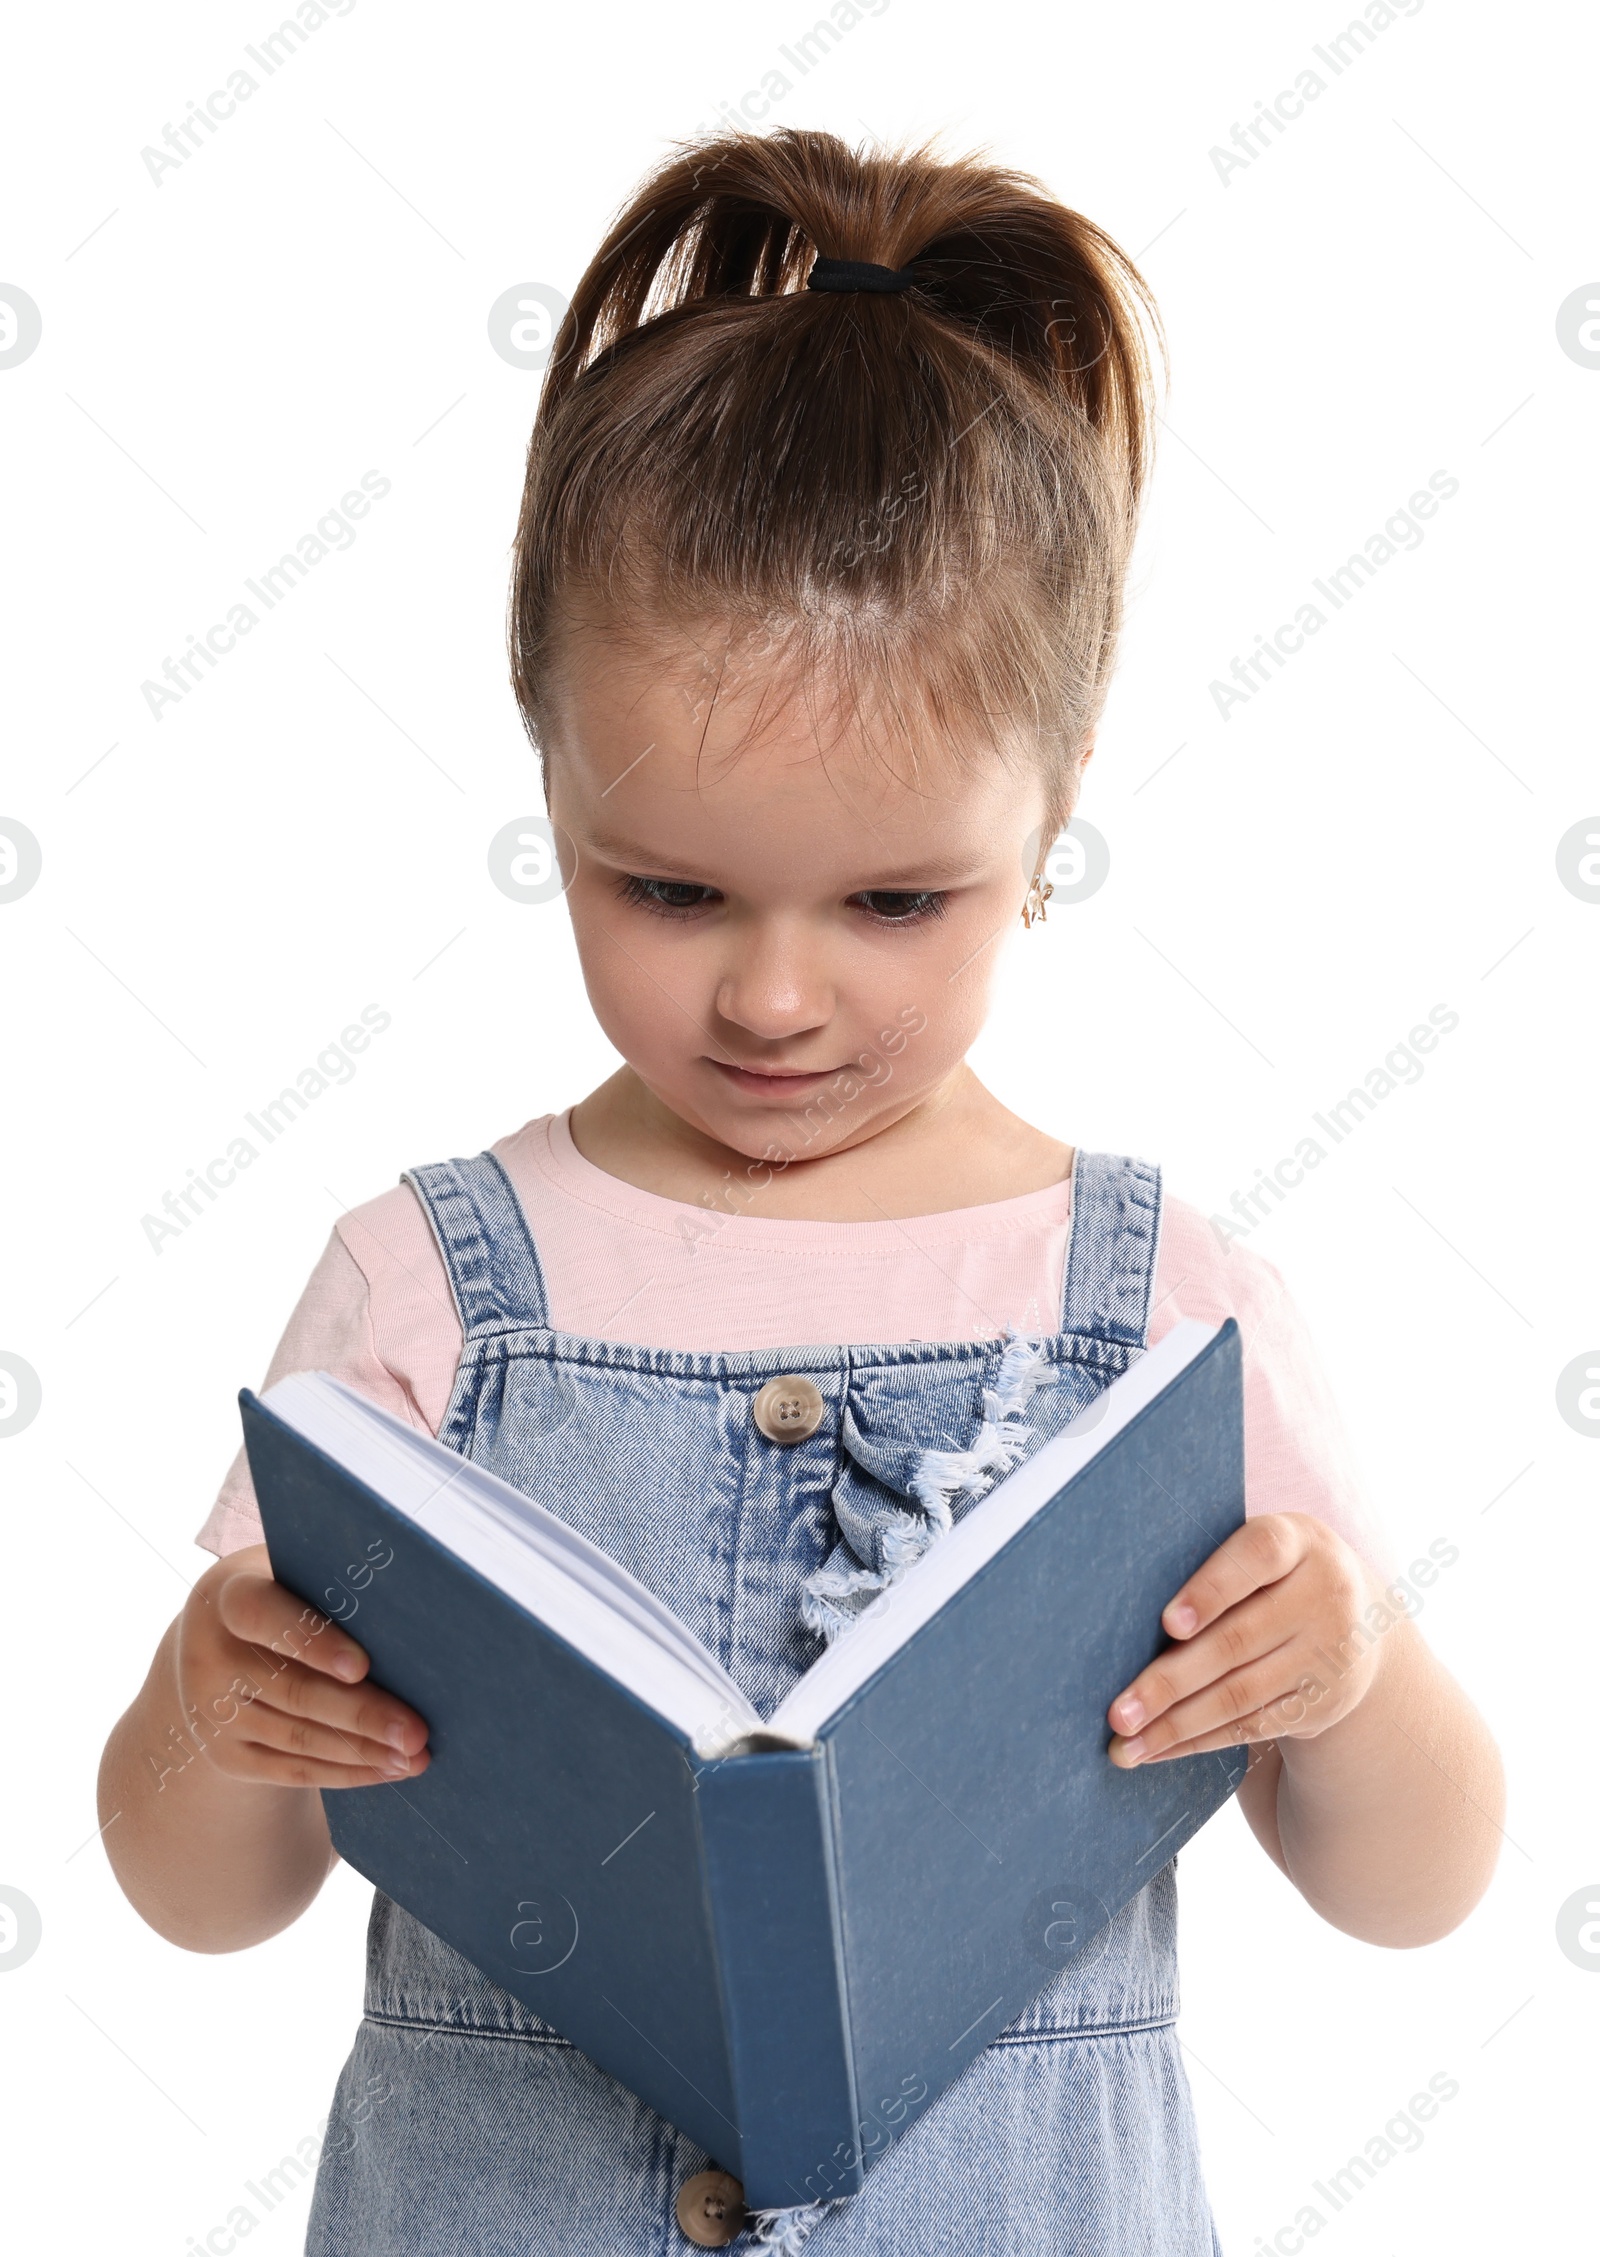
(622, 1264)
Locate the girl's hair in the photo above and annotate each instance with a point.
(928, 496)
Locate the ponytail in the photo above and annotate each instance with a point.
(940, 483)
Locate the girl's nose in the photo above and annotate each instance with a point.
(774, 984)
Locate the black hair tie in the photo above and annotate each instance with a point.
(857, 274)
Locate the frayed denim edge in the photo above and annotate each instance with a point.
(941, 1476)
(783, 2231)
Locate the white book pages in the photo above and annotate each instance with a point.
(525, 1550)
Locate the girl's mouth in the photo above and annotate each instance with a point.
(783, 1083)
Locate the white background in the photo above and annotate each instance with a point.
(1371, 300)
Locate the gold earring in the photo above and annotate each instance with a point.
(1038, 894)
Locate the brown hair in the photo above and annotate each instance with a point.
(932, 492)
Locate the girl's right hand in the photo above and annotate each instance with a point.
(273, 1690)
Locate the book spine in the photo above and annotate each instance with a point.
(766, 1837)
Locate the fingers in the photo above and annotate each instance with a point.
(263, 1613)
(1244, 1634)
(288, 1727)
(1261, 1552)
(1223, 1713)
(273, 1767)
(1256, 1731)
(300, 1751)
(361, 1712)
(297, 1708)
(1252, 1627)
(1230, 1613)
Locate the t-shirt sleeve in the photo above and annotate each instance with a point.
(330, 1330)
(1298, 1457)
(1298, 1453)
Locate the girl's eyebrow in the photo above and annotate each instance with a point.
(935, 871)
(912, 879)
(916, 877)
(642, 861)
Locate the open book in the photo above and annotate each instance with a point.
(582, 1594)
(846, 1884)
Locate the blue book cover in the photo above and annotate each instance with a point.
(788, 1952)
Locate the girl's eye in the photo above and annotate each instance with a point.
(901, 908)
(666, 897)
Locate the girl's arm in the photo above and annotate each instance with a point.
(1389, 1823)
(209, 1806)
(1378, 1790)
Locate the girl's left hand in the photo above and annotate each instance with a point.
(1264, 1647)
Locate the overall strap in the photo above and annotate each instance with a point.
(487, 1247)
(1112, 1247)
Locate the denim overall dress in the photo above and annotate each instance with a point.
(464, 2125)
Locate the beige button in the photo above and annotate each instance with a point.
(711, 2209)
(788, 1409)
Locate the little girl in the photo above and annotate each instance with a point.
(818, 581)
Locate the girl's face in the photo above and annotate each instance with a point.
(792, 949)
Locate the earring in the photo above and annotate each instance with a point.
(1038, 894)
